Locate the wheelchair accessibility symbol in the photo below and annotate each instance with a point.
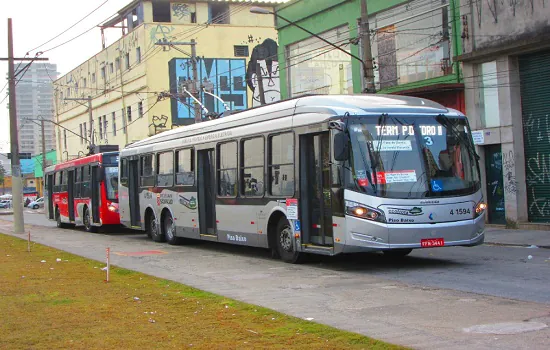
(297, 226)
(437, 185)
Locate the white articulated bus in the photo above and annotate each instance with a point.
(315, 174)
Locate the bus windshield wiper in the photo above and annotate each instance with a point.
(444, 120)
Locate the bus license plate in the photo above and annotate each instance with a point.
(432, 242)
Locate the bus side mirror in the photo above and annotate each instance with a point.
(341, 146)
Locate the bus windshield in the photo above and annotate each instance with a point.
(111, 183)
(413, 157)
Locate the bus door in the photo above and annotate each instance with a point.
(49, 196)
(315, 189)
(95, 193)
(70, 190)
(133, 192)
(206, 192)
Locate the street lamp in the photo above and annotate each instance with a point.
(369, 78)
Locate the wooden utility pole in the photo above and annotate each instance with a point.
(194, 71)
(17, 181)
(368, 71)
(260, 82)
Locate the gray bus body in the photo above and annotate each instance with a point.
(268, 177)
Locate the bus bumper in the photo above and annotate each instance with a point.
(362, 235)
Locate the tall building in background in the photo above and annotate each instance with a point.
(35, 101)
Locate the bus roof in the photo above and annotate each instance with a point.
(93, 158)
(329, 105)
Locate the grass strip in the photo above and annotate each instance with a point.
(52, 299)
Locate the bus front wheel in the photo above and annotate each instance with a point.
(285, 243)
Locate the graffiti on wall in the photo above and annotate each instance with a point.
(160, 32)
(224, 77)
(180, 10)
(264, 55)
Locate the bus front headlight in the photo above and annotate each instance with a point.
(364, 212)
(480, 208)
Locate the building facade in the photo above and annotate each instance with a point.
(35, 101)
(137, 87)
(412, 42)
(506, 60)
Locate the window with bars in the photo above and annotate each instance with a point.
(240, 50)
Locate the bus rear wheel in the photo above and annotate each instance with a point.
(59, 224)
(170, 230)
(285, 243)
(87, 221)
(397, 253)
(153, 230)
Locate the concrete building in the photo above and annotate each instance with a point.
(413, 44)
(506, 60)
(126, 79)
(35, 100)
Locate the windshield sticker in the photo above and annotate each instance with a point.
(392, 145)
(437, 185)
(389, 177)
(361, 174)
(363, 182)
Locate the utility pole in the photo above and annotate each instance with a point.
(43, 148)
(193, 56)
(260, 83)
(195, 92)
(368, 71)
(17, 181)
(89, 99)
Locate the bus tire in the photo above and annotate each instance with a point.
(284, 243)
(59, 224)
(397, 253)
(152, 228)
(169, 229)
(87, 221)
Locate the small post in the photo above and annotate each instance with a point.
(29, 242)
(108, 263)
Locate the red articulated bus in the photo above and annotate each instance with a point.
(83, 191)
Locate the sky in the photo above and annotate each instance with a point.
(37, 21)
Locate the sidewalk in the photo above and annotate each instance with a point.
(503, 236)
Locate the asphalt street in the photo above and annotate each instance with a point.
(427, 300)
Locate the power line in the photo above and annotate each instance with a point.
(72, 26)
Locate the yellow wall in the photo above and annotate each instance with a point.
(144, 80)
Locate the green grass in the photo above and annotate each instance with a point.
(67, 304)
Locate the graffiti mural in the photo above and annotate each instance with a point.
(264, 54)
(160, 32)
(224, 77)
(180, 10)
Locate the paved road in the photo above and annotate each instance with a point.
(424, 301)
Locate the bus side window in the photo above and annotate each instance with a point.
(281, 165)
(124, 172)
(78, 180)
(165, 169)
(227, 169)
(147, 171)
(86, 178)
(185, 167)
(64, 181)
(57, 182)
(252, 167)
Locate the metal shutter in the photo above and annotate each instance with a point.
(534, 72)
